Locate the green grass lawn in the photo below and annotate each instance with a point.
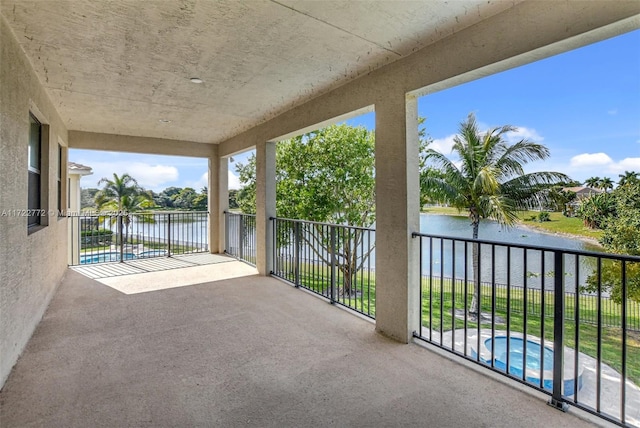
(560, 224)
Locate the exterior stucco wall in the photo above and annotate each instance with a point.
(31, 265)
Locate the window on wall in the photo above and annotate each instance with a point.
(34, 167)
(60, 170)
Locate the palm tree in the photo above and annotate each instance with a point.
(124, 195)
(489, 180)
(115, 190)
(605, 184)
(592, 182)
(628, 177)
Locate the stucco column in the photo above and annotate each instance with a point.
(218, 194)
(397, 217)
(265, 204)
(223, 200)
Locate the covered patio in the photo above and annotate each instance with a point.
(246, 351)
(211, 79)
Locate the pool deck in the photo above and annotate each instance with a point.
(610, 378)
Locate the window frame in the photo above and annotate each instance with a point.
(34, 195)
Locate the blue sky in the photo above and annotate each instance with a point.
(584, 105)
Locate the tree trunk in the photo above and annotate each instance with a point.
(347, 275)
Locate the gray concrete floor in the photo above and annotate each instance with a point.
(243, 351)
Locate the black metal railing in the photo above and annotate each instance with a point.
(611, 315)
(558, 320)
(240, 236)
(331, 260)
(116, 237)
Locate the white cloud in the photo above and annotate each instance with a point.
(152, 177)
(586, 160)
(443, 145)
(203, 181)
(628, 164)
(601, 163)
(233, 183)
(612, 112)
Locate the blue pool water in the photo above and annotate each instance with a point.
(533, 361)
(114, 256)
(105, 257)
(517, 360)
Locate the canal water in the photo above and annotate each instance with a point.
(501, 263)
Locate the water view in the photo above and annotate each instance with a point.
(460, 227)
(535, 267)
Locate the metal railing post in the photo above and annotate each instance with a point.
(121, 230)
(169, 235)
(241, 237)
(333, 265)
(226, 232)
(556, 400)
(296, 266)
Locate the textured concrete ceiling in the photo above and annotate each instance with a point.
(122, 66)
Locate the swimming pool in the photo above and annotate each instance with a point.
(113, 256)
(536, 363)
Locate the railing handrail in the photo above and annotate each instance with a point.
(115, 213)
(624, 257)
(97, 237)
(242, 214)
(319, 223)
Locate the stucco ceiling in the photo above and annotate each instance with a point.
(123, 66)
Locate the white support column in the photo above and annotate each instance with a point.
(397, 217)
(265, 204)
(223, 200)
(217, 187)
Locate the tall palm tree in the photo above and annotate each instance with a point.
(116, 190)
(628, 177)
(605, 184)
(592, 182)
(122, 194)
(489, 180)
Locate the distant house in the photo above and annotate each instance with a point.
(76, 172)
(583, 192)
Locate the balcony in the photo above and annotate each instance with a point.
(245, 351)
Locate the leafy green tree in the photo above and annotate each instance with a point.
(87, 197)
(246, 196)
(184, 199)
(233, 202)
(621, 236)
(165, 198)
(488, 180)
(200, 202)
(323, 176)
(596, 209)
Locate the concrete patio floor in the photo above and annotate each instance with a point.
(241, 351)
